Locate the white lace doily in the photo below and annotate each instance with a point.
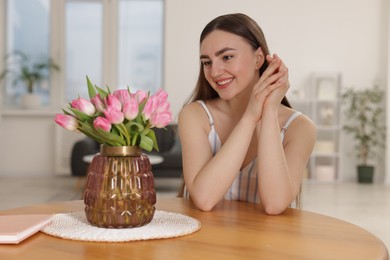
(164, 224)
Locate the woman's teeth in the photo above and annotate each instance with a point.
(224, 82)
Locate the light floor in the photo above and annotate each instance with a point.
(365, 205)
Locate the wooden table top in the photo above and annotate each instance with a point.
(233, 230)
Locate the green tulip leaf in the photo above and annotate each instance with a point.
(146, 143)
(91, 89)
(152, 135)
(80, 115)
(103, 94)
(111, 138)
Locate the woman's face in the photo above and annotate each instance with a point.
(230, 64)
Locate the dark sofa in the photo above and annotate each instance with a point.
(169, 149)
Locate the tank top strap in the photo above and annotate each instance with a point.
(211, 120)
(291, 118)
(214, 139)
(288, 122)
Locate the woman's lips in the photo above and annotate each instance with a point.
(224, 83)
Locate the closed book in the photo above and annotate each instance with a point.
(16, 228)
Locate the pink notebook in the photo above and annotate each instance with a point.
(15, 228)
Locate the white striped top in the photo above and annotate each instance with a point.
(245, 185)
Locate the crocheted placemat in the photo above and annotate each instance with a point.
(75, 226)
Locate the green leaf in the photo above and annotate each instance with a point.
(67, 112)
(143, 103)
(134, 139)
(101, 136)
(89, 131)
(108, 89)
(91, 89)
(124, 132)
(111, 138)
(146, 143)
(135, 127)
(152, 135)
(103, 94)
(80, 115)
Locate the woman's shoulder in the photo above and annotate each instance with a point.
(192, 118)
(306, 123)
(301, 124)
(192, 113)
(288, 113)
(192, 108)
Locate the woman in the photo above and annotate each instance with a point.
(233, 133)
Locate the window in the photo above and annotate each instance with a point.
(118, 42)
(137, 48)
(27, 31)
(83, 46)
(140, 44)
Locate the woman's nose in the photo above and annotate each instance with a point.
(216, 69)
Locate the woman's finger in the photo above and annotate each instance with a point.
(272, 79)
(262, 93)
(271, 70)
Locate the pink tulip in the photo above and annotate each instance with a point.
(161, 120)
(84, 106)
(130, 109)
(98, 103)
(163, 107)
(123, 95)
(140, 95)
(102, 123)
(149, 107)
(113, 101)
(161, 95)
(114, 115)
(66, 121)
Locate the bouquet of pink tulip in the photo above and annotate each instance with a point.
(120, 118)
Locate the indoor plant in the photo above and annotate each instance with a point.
(364, 122)
(120, 118)
(120, 185)
(20, 68)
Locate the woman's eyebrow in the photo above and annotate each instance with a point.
(218, 52)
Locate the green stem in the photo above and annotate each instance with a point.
(123, 130)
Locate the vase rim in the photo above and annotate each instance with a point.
(120, 150)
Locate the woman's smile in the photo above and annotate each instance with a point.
(224, 83)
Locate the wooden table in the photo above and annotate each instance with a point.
(233, 230)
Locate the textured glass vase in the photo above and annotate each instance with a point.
(120, 191)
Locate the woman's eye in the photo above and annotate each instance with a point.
(206, 63)
(227, 57)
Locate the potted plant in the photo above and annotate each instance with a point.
(364, 122)
(120, 185)
(22, 69)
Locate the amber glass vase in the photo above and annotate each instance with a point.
(120, 191)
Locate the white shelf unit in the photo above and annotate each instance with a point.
(322, 104)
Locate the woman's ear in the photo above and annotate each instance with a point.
(259, 58)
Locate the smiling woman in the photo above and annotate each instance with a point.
(234, 131)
